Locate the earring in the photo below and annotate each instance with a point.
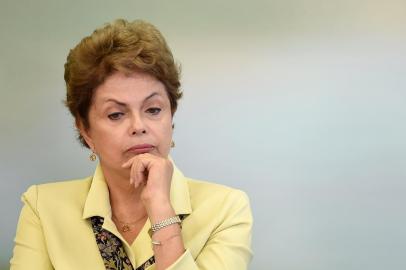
(92, 156)
(172, 144)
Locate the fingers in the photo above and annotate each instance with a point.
(138, 166)
(128, 163)
(138, 173)
(131, 165)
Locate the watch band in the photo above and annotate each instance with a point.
(164, 223)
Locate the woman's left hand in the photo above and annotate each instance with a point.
(153, 174)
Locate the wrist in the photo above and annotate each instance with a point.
(160, 211)
(165, 223)
(155, 198)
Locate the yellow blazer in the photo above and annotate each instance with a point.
(54, 229)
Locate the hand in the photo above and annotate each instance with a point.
(153, 174)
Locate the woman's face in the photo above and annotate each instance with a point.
(126, 113)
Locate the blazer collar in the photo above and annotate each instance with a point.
(98, 202)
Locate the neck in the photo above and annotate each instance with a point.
(125, 200)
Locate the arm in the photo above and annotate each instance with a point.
(229, 246)
(155, 196)
(30, 250)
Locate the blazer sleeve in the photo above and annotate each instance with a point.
(229, 246)
(30, 250)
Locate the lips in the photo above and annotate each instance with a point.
(140, 149)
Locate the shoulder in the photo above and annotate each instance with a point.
(216, 195)
(55, 194)
(218, 213)
(205, 188)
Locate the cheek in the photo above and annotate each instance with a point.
(165, 132)
(168, 130)
(108, 137)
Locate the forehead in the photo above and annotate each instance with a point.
(129, 88)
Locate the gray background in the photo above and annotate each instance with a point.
(302, 104)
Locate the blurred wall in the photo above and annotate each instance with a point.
(302, 104)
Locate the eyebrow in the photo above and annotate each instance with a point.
(125, 104)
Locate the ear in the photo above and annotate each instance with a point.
(85, 133)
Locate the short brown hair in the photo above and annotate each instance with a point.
(121, 46)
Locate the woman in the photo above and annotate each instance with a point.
(137, 211)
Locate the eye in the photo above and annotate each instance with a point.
(154, 111)
(115, 116)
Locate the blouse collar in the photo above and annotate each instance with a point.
(98, 201)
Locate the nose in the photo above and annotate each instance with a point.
(135, 132)
(137, 126)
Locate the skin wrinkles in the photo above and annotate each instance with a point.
(123, 114)
(118, 94)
